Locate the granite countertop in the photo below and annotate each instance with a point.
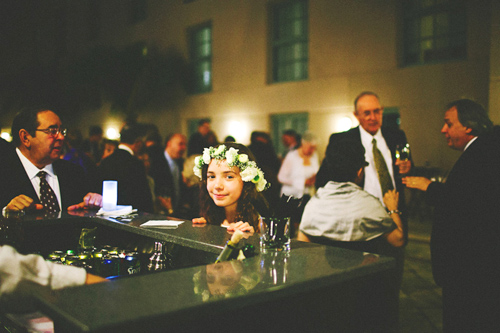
(153, 300)
(176, 294)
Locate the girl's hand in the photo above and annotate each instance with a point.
(199, 220)
(243, 226)
(391, 199)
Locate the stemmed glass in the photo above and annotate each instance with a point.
(403, 152)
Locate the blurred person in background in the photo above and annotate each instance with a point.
(166, 170)
(92, 145)
(265, 155)
(74, 152)
(298, 170)
(298, 174)
(200, 140)
(109, 147)
(291, 141)
(125, 167)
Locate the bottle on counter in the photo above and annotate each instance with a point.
(159, 260)
(231, 250)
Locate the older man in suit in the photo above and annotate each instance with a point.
(166, 170)
(33, 177)
(465, 239)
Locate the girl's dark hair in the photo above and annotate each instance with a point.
(251, 203)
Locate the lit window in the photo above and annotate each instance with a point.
(200, 47)
(290, 41)
(434, 31)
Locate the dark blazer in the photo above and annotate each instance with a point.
(73, 184)
(465, 240)
(392, 137)
(130, 172)
(164, 180)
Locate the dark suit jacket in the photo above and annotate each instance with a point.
(129, 171)
(164, 180)
(465, 240)
(392, 138)
(73, 183)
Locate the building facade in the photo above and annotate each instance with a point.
(266, 65)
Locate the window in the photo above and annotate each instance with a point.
(289, 41)
(434, 31)
(200, 49)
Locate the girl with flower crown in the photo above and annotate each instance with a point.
(230, 188)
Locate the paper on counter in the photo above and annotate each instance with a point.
(162, 223)
(119, 211)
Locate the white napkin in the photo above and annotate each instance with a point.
(162, 223)
(120, 210)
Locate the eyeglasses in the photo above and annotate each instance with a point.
(54, 132)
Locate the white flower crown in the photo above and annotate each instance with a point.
(249, 171)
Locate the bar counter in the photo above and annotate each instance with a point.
(311, 288)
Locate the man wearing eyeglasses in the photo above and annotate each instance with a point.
(38, 137)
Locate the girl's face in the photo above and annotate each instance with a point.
(224, 184)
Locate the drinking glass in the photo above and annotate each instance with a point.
(403, 152)
(109, 194)
(274, 233)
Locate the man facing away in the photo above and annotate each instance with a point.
(33, 177)
(465, 239)
(125, 167)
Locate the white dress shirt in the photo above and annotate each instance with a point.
(293, 174)
(32, 171)
(372, 183)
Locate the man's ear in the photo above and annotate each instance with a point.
(25, 138)
(468, 130)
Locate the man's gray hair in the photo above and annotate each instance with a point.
(472, 115)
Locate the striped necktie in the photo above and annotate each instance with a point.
(383, 173)
(47, 196)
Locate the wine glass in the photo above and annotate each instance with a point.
(403, 152)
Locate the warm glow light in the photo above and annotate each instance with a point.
(6, 136)
(112, 133)
(344, 124)
(238, 129)
(341, 123)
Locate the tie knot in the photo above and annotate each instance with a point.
(374, 141)
(41, 174)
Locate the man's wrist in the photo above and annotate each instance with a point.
(12, 213)
(394, 211)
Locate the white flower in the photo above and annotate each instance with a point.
(248, 174)
(243, 158)
(197, 171)
(231, 155)
(220, 150)
(261, 185)
(206, 156)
